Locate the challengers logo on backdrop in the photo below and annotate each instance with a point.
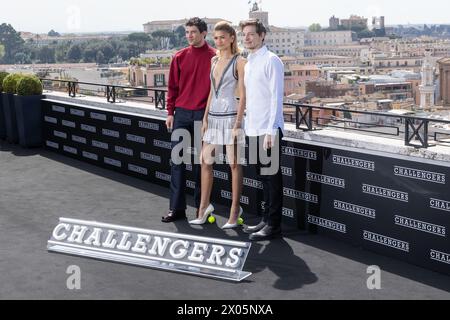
(58, 109)
(323, 179)
(74, 112)
(386, 241)
(299, 153)
(120, 120)
(440, 204)
(353, 208)
(354, 163)
(385, 193)
(420, 174)
(328, 224)
(420, 226)
(98, 116)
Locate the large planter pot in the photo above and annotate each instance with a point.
(2, 119)
(29, 120)
(12, 135)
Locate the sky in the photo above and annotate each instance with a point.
(74, 16)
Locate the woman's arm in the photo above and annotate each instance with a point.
(208, 104)
(241, 91)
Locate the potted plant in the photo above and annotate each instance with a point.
(9, 87)
(27, 103)
(3, 75)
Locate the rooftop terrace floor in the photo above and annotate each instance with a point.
(37, 187)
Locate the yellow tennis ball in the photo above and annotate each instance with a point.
(211, 219)
(240, 221)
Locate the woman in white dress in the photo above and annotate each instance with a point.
(222, 124)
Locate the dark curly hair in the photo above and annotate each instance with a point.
(197, 22)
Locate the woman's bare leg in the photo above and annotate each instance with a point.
(207, 161)
(236, 183)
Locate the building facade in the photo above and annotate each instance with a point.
(329, 38)
(322, 61)
(444, 81)
(385, 63)
(285, 41)
(297, 75)
(334, 23)
(427, 88)
(257, 13)
(172, 25)
(344, 51)
(150, 76)
(354, 22)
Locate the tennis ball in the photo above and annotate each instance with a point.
(211, 219)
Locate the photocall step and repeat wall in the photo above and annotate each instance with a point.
(394, 207)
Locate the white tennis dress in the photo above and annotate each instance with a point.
(223, 108)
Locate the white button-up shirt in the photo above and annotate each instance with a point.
(264, 82)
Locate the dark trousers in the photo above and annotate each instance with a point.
(184, 119)
(272, 184)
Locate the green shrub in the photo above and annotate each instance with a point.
(3, 75)
(10, 82)
(29, 86)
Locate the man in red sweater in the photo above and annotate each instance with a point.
(189, 87)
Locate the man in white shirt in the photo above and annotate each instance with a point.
(264, 125)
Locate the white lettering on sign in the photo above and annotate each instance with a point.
(190, 254)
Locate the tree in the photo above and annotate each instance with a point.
(11, 41)
(90, 53)
(180, 32)
(165, 61)
(53, 33)
(74, 54)
(124, 53)
(180, 35)
(366, 34)
(22, 58)
(107, 50)
(61, 52)
(47, 54)
(100, 58)
(165, 39)
(315, 27)
(2, 51)
(141, 39)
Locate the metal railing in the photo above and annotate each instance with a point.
(416, 130)
(112, 93)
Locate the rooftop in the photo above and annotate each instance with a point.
(38, 187)
(445, 61)
(300, 68)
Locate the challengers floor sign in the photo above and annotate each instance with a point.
(200, 256)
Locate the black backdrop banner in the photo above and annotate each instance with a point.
(395, 207)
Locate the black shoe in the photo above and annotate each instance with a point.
(266, 233)
(174, 215)
(253, 229)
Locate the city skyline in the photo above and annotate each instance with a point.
(82, 16)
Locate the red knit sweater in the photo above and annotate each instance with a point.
(189, 81)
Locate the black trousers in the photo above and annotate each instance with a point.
(184, 119)
(273, 182)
